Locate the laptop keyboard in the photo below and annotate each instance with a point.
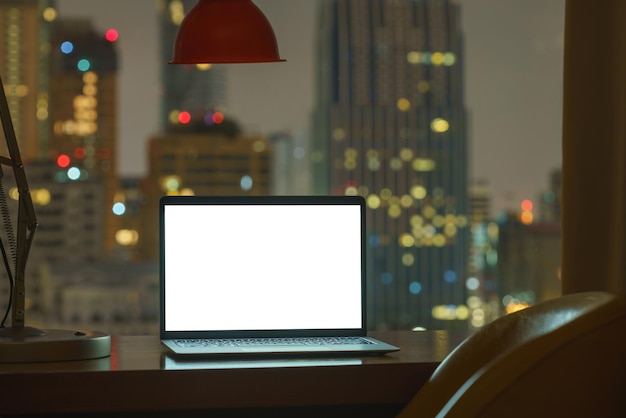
(258, 342)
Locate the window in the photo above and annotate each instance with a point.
(444, 114)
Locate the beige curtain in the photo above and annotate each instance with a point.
(594, 146)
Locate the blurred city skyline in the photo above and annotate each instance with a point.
(513, 84)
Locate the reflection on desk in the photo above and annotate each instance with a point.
(171, 363)
(137, 378)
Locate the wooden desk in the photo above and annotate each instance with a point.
(140, 378)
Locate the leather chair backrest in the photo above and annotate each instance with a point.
(537, 332)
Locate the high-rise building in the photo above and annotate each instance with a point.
(196, 163)
(194, 91)
(83, 111)
(390, 125)
(24, 48)
(529, 261)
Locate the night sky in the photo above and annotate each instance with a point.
(513, 74)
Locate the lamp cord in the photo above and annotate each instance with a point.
(4, 213)
(8, 268)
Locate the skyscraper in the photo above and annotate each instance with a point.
(390, 125)
(83, 111)
(193, 89)
(24, 50)
(202, 163)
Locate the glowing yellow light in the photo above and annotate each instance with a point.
(414, 57)
(126, 237)
(439, 125)
(350, 153)
(437, 58)
(418, 192)
(349, 164)
(372, 154)
(42, 114)
(462, 312)
(439, 240)
(416, 220)
(49, 14)
(386, 194)
(526, 218)
(438, 221)
(474, 302)
(363, 191)
(406, 240)
(406, 154)
(449, 59)
(90, 77)
(187, 192)
(450, 230)
(461, 221)
(476, 323)
(90, 90)
(173, 116)
(21, 90)
(408, 259)
(373, 201)
(478, 314)
(516, 306)
(424, 164)
(444, 312)
(177, 12)
(406, 201)
(170, 183)
(203, 67)
(373, 164)
(350, 191)
(403, 104)
(13, 193)
(394, 211)
(41, 196)
(428, 212)
(339, 134)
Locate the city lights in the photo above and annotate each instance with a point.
(63, 160)
(218, 117)
(526, 216)
(67, 47)
(184, 117)
(83, 65)
(119, 208)
(111, 35)
(439, 125)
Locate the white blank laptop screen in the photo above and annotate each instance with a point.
(262, 267)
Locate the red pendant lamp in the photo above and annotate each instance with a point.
(225, 32)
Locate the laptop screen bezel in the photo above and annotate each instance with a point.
(259, 200)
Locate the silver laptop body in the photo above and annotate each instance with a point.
(264, 275)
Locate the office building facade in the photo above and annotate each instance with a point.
(188, 163)
(24, 51)
(83, 112)
(390, 124)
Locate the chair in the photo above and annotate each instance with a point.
(562, 357)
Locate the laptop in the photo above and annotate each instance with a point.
(264, 275)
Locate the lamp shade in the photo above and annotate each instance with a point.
(224, 32)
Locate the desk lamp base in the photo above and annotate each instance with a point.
(31, 345)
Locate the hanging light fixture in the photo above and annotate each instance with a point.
(225, 32)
